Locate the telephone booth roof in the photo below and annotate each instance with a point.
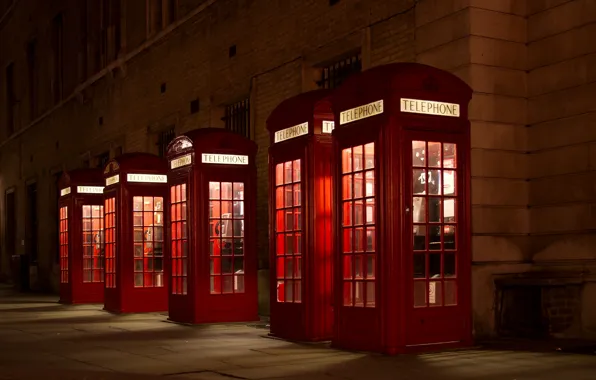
(138, 162)
(212, 140)
(293, 111)
(92, 177)
(393, 81)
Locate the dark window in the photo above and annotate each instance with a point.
(237, 117)
(110, 30)
(56, 218)
(11, 224)
(163, 140)
(194, 106)
(10, 100)
(84, 40)
(58, 57)
(32, 222)
(172, 11)
(155, 8)
(102, 159)
(33, 76)
(334, 74)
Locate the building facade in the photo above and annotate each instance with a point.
(84, 81)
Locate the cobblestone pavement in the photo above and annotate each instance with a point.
(40, 339)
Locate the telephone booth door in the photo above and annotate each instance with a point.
(300, 212)
(81, 234)
(213, 222)
(135, 219)
(402, 200)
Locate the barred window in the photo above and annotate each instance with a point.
(237, 117)
(164, 139)
(337, 72)
(102, 159)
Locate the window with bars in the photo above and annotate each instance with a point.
(63, 232)
(93, 243)
(102, 159)
(164, 139)
(288, 231)
(110, 242)
(226, 237)
(179, 239)
(148, 242)
(237, 117)
(336, 73)
(358, 226)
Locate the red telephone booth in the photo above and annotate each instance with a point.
(135, 250)
(212, 180)
(402, 179)
(300, 196)
(81, 236)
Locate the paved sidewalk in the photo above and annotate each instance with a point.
(40, 339)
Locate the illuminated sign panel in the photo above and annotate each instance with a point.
(428, 107)
(65, 191)
(362, 112)
(90, 189)
(181, 161)
(328, 126)
(147, 178)
(113, 180)
(292, 132)
(224, 159)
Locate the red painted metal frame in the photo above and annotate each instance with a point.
(125, 297)
(394, 326)
(312, 318)
(76, 291)
(199, 305)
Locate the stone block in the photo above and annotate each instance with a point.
(448, 56)
(432, 10)
(566, 103)
(563, 132)
(500, 220)
(501, 53)
(580, 187)
(558, 76)
(498, 136)
(499, 164)
(499, 192)
(497, 24)
(514, 7)
(494, 80)
(568, 15)
(499, 109)
(563, 46)
(562, 218)
(447, 29)
(564, 160)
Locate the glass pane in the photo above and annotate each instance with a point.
(296, 171)
(289, 290)
(238, 265)
(359, 239)
(297, 291)
(449, 265)
(358, 158)
(137, 204)
(226, 265)
(138, 218)
(449, 238)
(434, 182)
(280, 291)
(348, 294)
(348, 267)
(348, 240)
(289, 244)
(183, 193)
(358, 185)
(297, 195)
(213, 190)
(434, 154)
(298, 244)
(449, 210)
(434, 265)
(370, 184)
(138, 250)
(434, 209)
(370, 239)
(435, 293)
(358, 212)
(449, 182)
(358, 267)
(148, 204)
(238, 209)
(288, 268)
(359, 293)
(298, 267)
(288, 196)
(419, 238)
(370, 266)
(419, 181)
(347, 187)
(226, 209)
(347, 214)
(279, 174)
(288, 172)
(297, 219)
(419, 266)
(369, 156)
(238, 191)
(370, 294)
(226, 190)
(418, 152)
(227, 283)
(86, 211)
(138, 279)
(239, 284)
(214, 209)
(449, 156)
(434, 243)
(450, 293)
(346, 159)
(419, 207)
(419, 294)
(370, 211)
